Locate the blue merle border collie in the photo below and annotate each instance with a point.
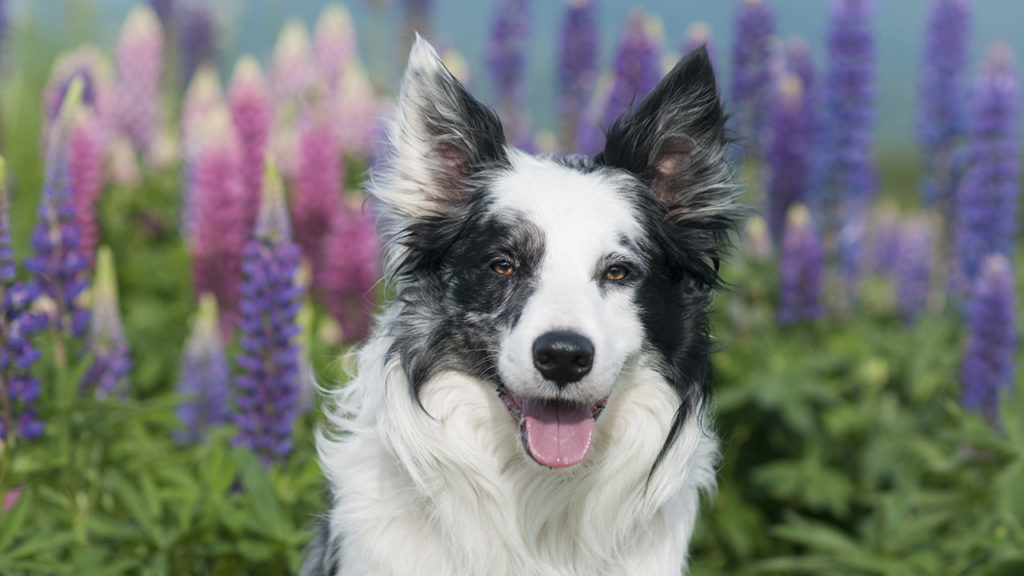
(532, 402)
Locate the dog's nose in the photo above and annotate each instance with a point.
(562, 356)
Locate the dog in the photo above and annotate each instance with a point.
(532, 401)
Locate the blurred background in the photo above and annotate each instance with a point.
(186, 251)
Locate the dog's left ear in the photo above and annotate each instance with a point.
(675, 141)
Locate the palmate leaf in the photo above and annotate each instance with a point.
(268, 517)
(12, 522)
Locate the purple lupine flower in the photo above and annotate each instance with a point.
(349, 269)
(590, 130)
(334, 42)
(318, 183)
(89, 65)
(988, 367)
(577, 66)
(112, 360)
(204, 95)
(914, 265)
(249, 100)
(941, 122)
(164, 10)
(140, 52)
(16, 325)
(885, 233)
(57, 266)
(789, 154)
(849, 101)
(698, 34)
(267, 385)
(506, 59)
(800, 62)
(198, 38)
(86, 164)
(637, 64)
(800, 267)
(220, 216)
(751, 73)
(986, 212)
(205, 377)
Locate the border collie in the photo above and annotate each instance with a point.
(532, 401)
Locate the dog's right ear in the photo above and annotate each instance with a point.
(441, 137)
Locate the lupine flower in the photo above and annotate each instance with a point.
(334, 42)
(140, 51)
(751, 61)
(268, 381)
(849, 100)
(56, 264)
(220, 215)
(914, 264)
(249, 100)
(506, 58)
(986, 214)
(92, 67)
(16, 325)
(799, 62)
(698, 34)
(112, 361)
(124, 163)
(205, 377)
(789, 154)
(204, 95)
(198, 38)
(318, 183)
(590, 130)
(164, 10)
(941, 122)
(577, 66)
(354, 108)
(800, 266)
(87, 155)
(294, 68)
(885, 233)
(4, 23)
(349, 269)
(988, 367)
(757, 239)
(637, 64)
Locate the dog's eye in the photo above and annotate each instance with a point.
(616, 273)
(503, 267)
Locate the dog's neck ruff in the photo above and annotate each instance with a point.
(450, 490)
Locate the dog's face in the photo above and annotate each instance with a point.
(549, 279)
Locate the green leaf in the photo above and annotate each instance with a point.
(12, 522)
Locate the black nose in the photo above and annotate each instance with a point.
(562, 356)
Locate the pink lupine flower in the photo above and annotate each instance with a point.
(219, 215)
(86, 164)
(140, 50)
(294, 68)
(124, 164)
(355, 109)
(249, 100)
(318, 182)
(349, 268)
(204, 95)
(334, 42)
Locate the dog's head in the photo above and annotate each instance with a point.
(551, 278)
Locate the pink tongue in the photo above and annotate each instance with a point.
(557, 433)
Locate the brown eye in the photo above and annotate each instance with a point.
(503, 267)
(616, 273)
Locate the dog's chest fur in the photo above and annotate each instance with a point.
(451, 491)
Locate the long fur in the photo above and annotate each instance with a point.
(427, 471)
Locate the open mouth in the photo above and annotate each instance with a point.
(556, 433)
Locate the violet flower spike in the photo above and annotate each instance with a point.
(800, 267)
(140, 51)
(249, 101)
(56, 265)
(204, 381)
(318, 184)
(349, 270)
(637, 64)
(577, 66)
(267, 385)
(220, 216)
(915, 262)
(506, 59)
(943, 98)
(986, 205)
(89, 65)
(334, 42)
(752, 76)
(988, 368)
(108, 375)
(19, 389)
(789, 154)
(198, 38)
